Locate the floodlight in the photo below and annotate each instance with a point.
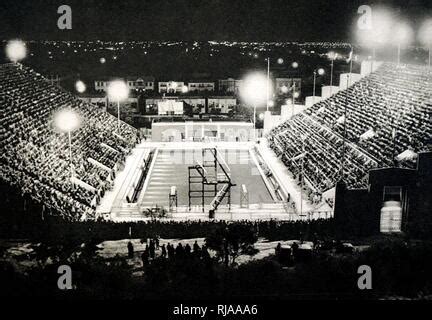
(80, 86)
(425, 33)
(67, 120)
(254, 89)
(16, 50)
(118, 90)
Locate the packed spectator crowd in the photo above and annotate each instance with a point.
(381, 116)
(35, 154)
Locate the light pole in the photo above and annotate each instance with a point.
(332, 56)
(268, 80)
(403, 35)
(118, 91)
(67, 121)
(254, 91)
(320, 72)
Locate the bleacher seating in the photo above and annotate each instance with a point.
(394, 102)
(35, 155)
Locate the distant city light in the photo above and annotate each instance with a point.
(284, 89)
(261, 116)
(296, 95)
(321, 71)
(16, 50)
(118, 90)
(102, 60)
(80, 86)
(280, 61)
(295, 65)
(67, 120)
(271, 103)
(185, 89)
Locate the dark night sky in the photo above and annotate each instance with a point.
(272, 20)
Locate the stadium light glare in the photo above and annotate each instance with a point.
(380, 31)
(16, 50)
(80, 86)
(403, 35)
(255, 91)
(118, 91)
(67, 120)
(425, 36)
(425, 33)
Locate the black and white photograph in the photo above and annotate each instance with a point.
(216, 154)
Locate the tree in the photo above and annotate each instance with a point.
(231, 241)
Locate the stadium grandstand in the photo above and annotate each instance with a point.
(383, 120)
(34, 154)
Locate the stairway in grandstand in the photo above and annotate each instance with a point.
(386, 113)
(35, 155)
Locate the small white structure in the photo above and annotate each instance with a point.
(328, 91)
(348, 79)
(170, 107)
(201, 86)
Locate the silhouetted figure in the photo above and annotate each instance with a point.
(196, 247)
(187, 249)
(278, 249)
(152, 249)
(130, 248)
(196, 250)
(145, 257)
(170, 251)
(164, 251)
(204, 253)
(295, 248)
(157, 242)
(179, 251)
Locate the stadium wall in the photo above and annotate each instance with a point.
(199, 131)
